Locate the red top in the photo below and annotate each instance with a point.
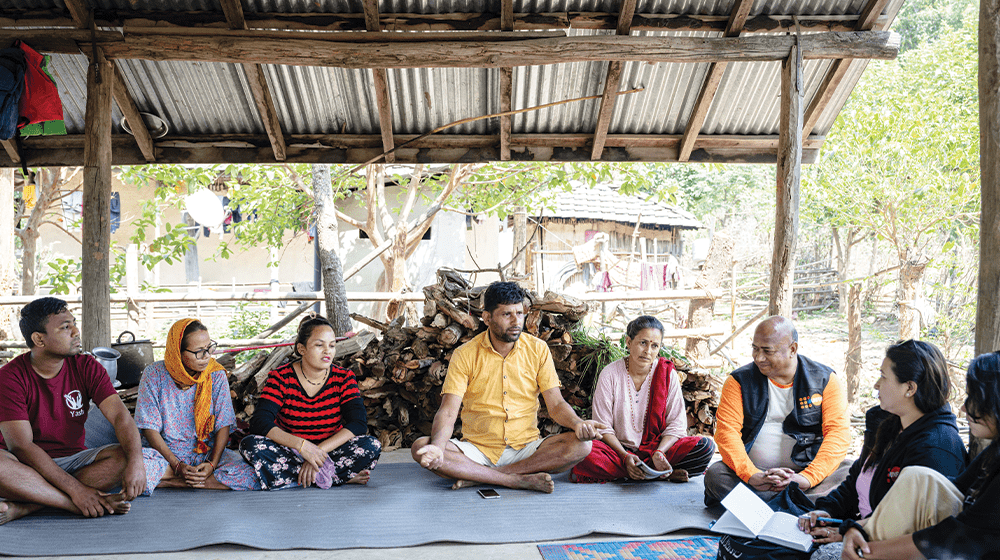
(313, 418)
(56, 408)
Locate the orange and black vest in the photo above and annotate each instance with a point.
(805, 423)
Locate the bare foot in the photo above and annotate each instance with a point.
(362, 478)
(679, 475)
(539, 482)
(118, 503)
(459, 484)
(10, 511)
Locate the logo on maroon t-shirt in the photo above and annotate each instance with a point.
(74, 400)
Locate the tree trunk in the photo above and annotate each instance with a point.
(520, 238)
(328, 241)
(853, 369)
(844, 247)
(911, 275)
(29, 261)
(8, 279)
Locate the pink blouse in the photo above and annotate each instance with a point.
(619, 405)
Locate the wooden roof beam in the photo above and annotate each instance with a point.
(81, 15)
(56, 151)
(296, 50)
(11, 149)
(259, 89)
(506, 83)
(381, 80)
(737, 20)
(612, 81)
(868, 19)
(762, 23)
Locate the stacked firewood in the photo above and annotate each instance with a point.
(400, 376)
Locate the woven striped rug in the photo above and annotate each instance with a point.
(695, 548)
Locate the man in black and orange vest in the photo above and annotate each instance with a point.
(782, 419)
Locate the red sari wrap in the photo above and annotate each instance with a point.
(603, 464)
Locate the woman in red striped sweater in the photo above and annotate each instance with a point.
(309, 425)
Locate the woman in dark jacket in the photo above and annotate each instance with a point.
(913, 426)
(972, 531)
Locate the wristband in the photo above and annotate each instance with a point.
(301, 443)
(849, 524)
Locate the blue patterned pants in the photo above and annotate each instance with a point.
(277, 466)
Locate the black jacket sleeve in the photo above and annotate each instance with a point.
(263, 417)
(842, 501)
(354, 415)
(973, 533)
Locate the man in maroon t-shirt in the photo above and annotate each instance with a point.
(44, 398)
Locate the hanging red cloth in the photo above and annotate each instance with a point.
(40, 103)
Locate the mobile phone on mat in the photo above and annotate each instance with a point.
(488, 493)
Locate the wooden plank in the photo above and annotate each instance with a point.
(701, 106)
(96, 250)
(506, 83)
(737, 20)
(789, 174)
(56, 151)
(296, 50)
(612, 80)
(265, 107)
(467, 21)
(233, 10)
(506, 94)
(79, 13)
(11, 149)
(869, 18)
(257, 81)
(380, 78)
(131, 114)
(988, 303)
(507, 15)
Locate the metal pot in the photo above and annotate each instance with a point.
(135, 356)
(108, 357)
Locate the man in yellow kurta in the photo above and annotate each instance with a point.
(495, 379)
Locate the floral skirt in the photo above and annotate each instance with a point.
(277, 466)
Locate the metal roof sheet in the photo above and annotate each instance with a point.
(204, 98)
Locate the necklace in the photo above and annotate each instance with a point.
(310, 381)
(634, 402)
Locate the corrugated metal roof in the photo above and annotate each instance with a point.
(197, 98)
(603, 202)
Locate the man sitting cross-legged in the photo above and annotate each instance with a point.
(45, 394)
(495, 379)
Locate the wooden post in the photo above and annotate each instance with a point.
(8, 281)
(700, 311)
(988, 304)
(96, 315)
(786, 215)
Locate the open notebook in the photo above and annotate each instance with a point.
(748, 516)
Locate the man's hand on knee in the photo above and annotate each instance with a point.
(431, 456)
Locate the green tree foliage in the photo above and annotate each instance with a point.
(902, 160)
(922, 21)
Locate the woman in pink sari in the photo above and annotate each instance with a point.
(640, 397)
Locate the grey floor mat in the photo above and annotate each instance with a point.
(403, 505)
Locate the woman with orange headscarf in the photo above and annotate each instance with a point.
(185, 413)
